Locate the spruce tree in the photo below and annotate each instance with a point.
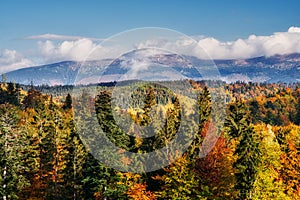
(239, 127)
(75, 159)
(68, 102)
(149, 102)
(12, 94)
(12, 142)
(204, 109)
(47, 153)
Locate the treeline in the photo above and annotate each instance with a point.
(256, 153)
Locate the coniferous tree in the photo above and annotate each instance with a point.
(91, 177)
(204, 109)
(43, 139)
(32, 155)
(108, 123)
(12, 94)
(68, 102)
(47, 153)
(255, 113)
(239, 128)
(149, 102)
(169, 129)
(12, 141)
(204, 103)
(75, 159)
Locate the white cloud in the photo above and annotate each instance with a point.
(67, 50)
(77, 50)
(59, 37)
(294, 29)
(54, 48)
(277, 43)
(202, 47)
(12, 60)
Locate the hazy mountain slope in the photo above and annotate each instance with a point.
(284, 68)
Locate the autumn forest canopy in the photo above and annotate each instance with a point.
(255, 152)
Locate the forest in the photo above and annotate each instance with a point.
(256, 154)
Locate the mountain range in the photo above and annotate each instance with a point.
(277, 68)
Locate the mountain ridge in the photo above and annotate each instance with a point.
(277, 68)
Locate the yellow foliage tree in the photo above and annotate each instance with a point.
(267, 184)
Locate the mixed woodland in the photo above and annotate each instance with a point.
(256, 154)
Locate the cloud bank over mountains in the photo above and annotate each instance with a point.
(53, 48)
(12, 60)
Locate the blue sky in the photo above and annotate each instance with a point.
(226, 20)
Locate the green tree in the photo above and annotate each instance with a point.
(204, 109)
(32, 154)
(255, 112)
(68, 102)
(13, 93)
(149, 102)
(12, 141)
(47, 147)
(10, 93)
(42, 126)
(75, 158)
(92, 182)
(239, 128)
(108, 123)
(179, 182)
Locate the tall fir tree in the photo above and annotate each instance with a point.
(12, 142)
(204, 109)
(239, 127)
(149, 102)
(68, 102)
(75, 159)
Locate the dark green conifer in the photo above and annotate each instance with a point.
(238, 124)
